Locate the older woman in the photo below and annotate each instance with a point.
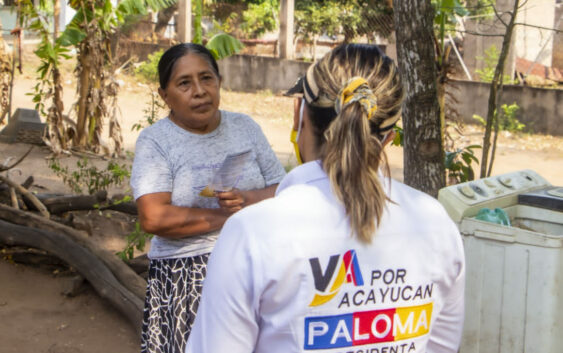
(175, 159)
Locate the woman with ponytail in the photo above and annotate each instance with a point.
(343, 259)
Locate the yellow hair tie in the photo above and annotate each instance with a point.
(357, 90)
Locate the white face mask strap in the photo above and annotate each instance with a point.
(301, 109)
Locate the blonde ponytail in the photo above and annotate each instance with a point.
(365, 90)
(351, 158)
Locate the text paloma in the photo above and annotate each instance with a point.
(367, 327)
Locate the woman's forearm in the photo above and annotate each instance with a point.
(181, 222)
(158, 216)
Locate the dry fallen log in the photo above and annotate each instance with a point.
(34, 257)
(64, 203)
(139, 264)
(86, 262)
(28, 182)
(57, 204)
(120, 270)
(123, 207)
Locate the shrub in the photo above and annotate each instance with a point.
(89, 177)
(508, 121)
(148, 70)
(137, 239)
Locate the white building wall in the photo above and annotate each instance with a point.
(532, 43)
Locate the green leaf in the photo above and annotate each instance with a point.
(108, 8)
(140, 7)
(467, 158)
(78, 20)
(223, 45)
(438, 18)
(399, 136)
(467, 174)
(75, 4)
(71, 36)
(450, 156)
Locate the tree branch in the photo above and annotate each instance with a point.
(4, 168)
(498, 15)
(538, 27)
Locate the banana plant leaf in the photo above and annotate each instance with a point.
(223, 45)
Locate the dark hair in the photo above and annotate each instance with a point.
(171, 56)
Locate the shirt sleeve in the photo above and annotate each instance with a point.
(270, 166)
(151, 171)
(227, 316)
(446, 333)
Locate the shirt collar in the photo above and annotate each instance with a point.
(303, 174)
(312, 171)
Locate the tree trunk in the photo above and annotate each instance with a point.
(423, 148)
(57, 136)
(83, 84)
(496, 87)
(56, 19)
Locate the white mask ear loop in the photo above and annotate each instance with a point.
(301, 109)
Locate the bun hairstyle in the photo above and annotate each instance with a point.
(354, 96)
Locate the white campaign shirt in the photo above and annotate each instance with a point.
(286, 275)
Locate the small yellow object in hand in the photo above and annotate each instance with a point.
(207, 192)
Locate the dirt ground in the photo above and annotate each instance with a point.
(36, 317)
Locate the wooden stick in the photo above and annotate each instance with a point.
(14, 198)
(38, 204)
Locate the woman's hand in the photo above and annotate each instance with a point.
(232, 201)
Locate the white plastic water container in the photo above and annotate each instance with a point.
(514, 281)
(514, 274)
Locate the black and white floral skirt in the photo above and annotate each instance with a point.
(173, 293)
